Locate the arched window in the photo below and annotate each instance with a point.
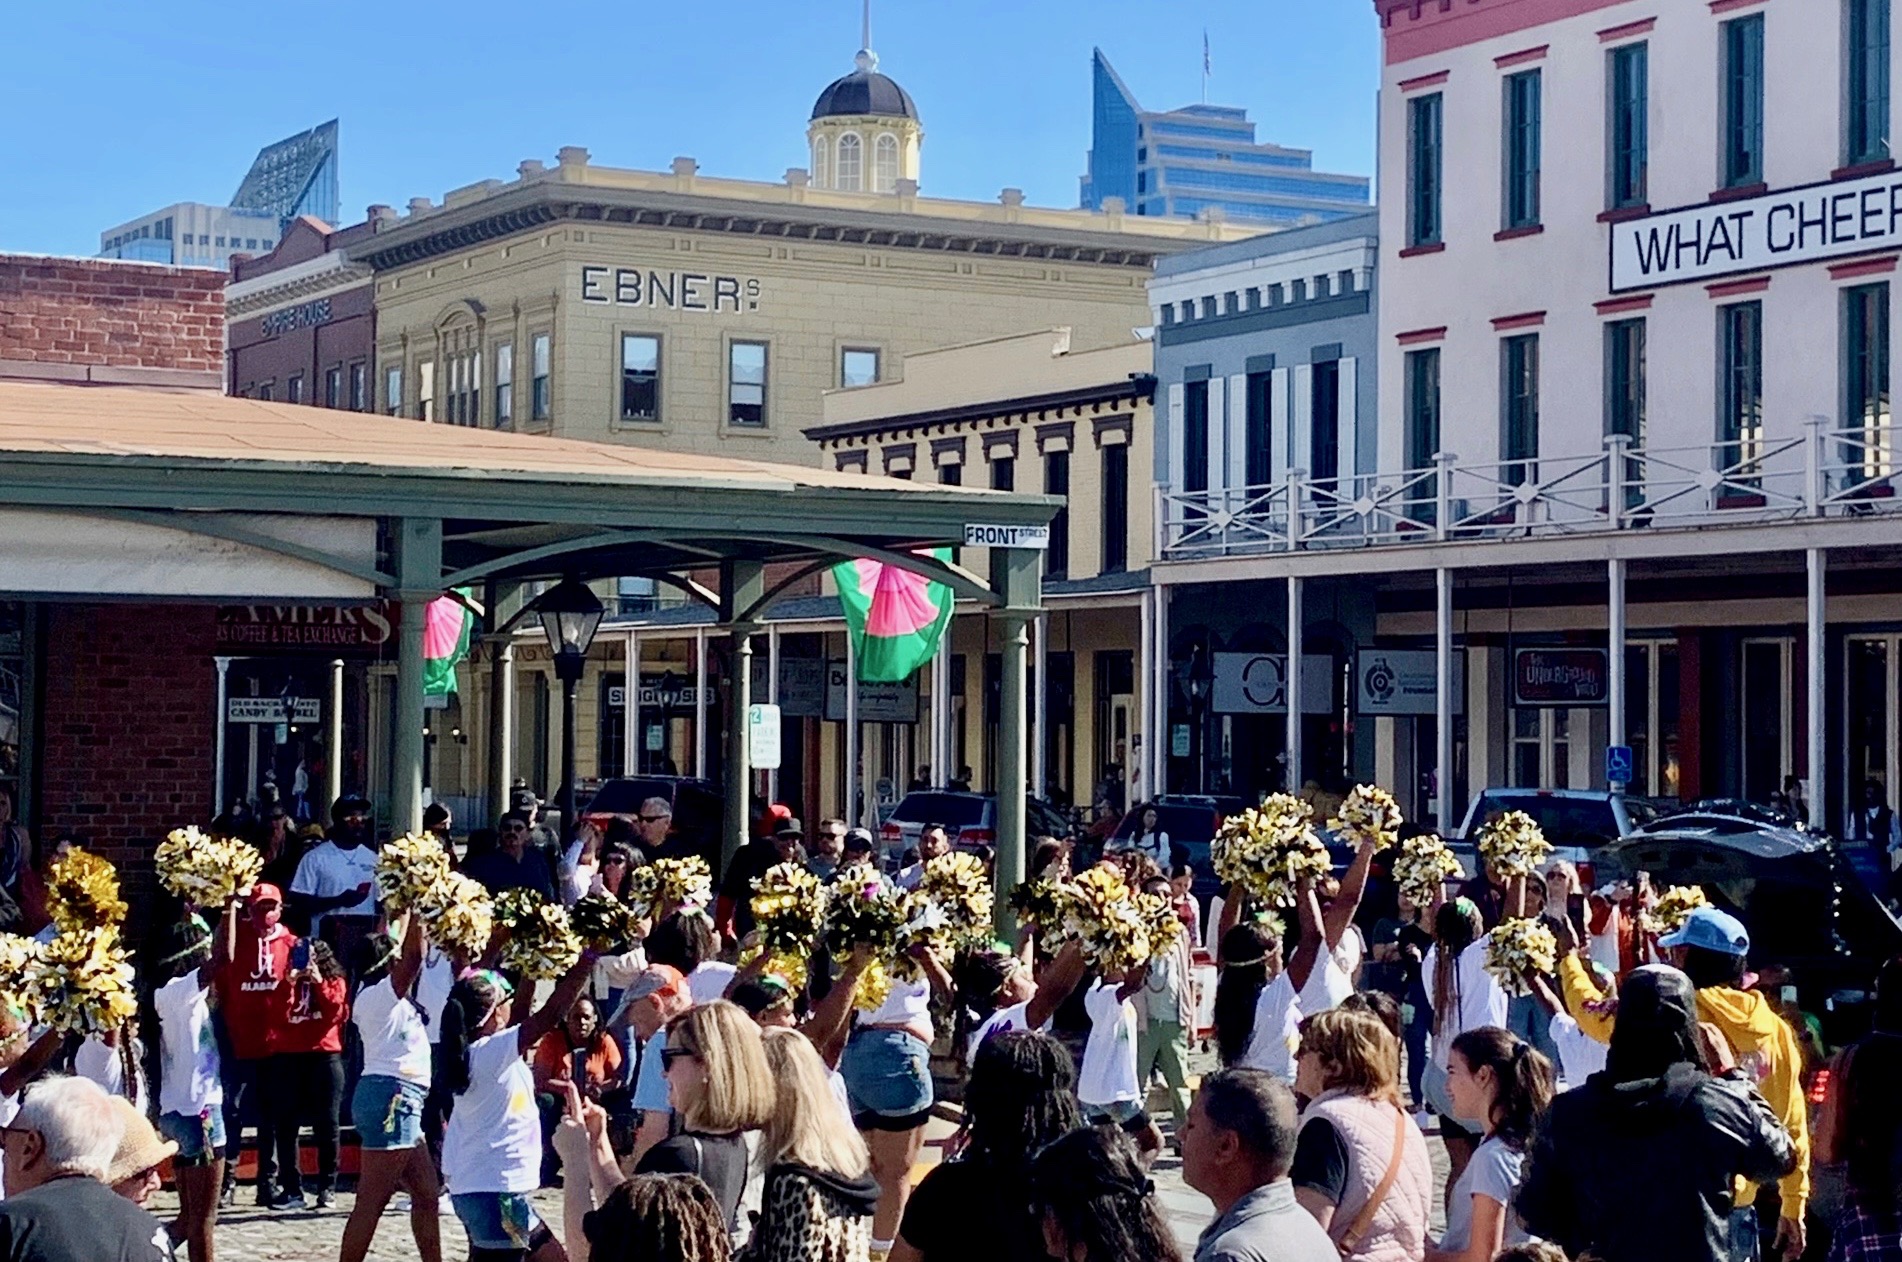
(885, 164)
(821, 162)
(851, 162)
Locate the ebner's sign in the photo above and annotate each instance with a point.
(668, 291)
(303, 316)
(1799, 225)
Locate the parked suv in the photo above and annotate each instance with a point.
(1578, 822)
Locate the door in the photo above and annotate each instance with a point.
(1870, 667)
(1764, 714)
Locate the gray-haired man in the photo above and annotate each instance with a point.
(58, 1208)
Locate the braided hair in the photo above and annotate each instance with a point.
(1021, 1098)
(1091, 1185)
(659, 1218)
(471, 1002)
(1247, 951)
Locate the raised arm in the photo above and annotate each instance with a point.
(1307, 950)
(1346, 905)
(32, 1062)
(409, 959)
(1058, 983)
(550, 1014)
(831, 1018)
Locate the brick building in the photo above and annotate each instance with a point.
(106, 322)
(302, 324)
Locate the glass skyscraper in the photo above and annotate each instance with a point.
(1188, 160)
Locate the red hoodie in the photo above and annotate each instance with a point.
(251, 990)
(314, 1021)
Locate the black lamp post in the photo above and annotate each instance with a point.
(570, 614)
(1201, 681)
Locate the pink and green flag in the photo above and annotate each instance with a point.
(895, 617)
(447, 624)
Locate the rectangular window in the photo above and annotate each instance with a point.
(1004, 473)
(265, 392)
(1519, 408)
(359, 387)
(393, 391)
(1423, 170)
(541, 405)
(857, 367)
(746, 384)
(1521, 149)
(1423, 425)
(1866, 380)
(1195, 437)
(294, 389)
(950, 475)
(1865, 81)
(1625, 399)
(1740, 385)
(504, 384)
(1258, 428)
(1628, 148)
(426, 390)
(1056, 481)
(1743, 101)
(333, 387)
(1115, 508)
(1324, 423)
(640, 377)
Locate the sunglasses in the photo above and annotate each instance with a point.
(655, 819)
(669, 1056)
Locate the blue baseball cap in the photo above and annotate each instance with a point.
(1712, 930)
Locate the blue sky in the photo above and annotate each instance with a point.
(116, 109)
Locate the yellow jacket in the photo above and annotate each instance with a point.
(1767, 1052)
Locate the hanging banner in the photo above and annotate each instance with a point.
(1560, 677)
(1404, 682)
(1257, 683)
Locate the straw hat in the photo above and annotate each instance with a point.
(141, 1148)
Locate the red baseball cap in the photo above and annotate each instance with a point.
(264, 892)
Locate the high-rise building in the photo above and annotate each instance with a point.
(292, 177)
(1203, 157)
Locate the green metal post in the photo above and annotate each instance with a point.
(418, 581)
(1015, 576)
(741, 584)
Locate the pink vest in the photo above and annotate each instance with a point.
(1398, 1232)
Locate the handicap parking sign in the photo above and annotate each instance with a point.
(1618, 764)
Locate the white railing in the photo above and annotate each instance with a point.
(1825, 472)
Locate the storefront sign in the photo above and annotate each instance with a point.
(1799, 225)
(270, 709)
(1404, 681)
(1256, 683)
(1036, 538)
(655, 696)
(668, 291)
(762, 737)
(878, 703)
(306, 315)
(1559, 677)
(327, 628)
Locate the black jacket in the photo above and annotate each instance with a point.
(1639, 1171)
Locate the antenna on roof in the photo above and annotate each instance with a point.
(867, 59)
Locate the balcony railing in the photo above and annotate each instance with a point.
(1825, 472)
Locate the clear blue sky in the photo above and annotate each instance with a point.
(115, 109)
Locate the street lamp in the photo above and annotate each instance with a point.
(570, 614)
(1201, 681)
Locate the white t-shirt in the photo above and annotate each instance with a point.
(709, 981)
(1580, 1055)
(1332, 980)
(1276, 1036)
(433, 985)
(105, 1066)
(577, 878)
(1108, 1075)
(909, 1003)
(1155, 845)
(395, 1041)
(1015, 1017)
(494, 1140)
(1481, 1000)
(188, 1048)
(329, 870)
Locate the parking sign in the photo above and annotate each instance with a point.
(1618, 764)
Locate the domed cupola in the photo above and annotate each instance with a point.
(864, 133)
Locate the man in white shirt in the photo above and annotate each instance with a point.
(335, 884)
(932, 842)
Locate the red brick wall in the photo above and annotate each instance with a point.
(128, 722)
(109, 313)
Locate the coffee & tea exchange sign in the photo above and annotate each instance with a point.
(1753, 234)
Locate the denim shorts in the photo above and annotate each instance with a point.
(388, 1112)
(887, 1076)
(199, 1139)
(498, 1220)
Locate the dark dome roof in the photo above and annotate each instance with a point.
(864, 91)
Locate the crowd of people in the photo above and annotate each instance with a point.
(1643, 1099)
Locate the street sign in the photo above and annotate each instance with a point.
(1037, 537)
(270, 710)
(762, 737)
(1619, 768)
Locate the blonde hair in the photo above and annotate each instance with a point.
(738, 1094)
(1358, 1053)
(807, 1128)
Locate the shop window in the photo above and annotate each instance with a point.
(1865, 81)
(1743, 101)
(1423, 169)
(640, 377)
(746, 381)
(1521, 145)
(1628, 97)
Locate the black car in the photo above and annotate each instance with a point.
(1795, 892)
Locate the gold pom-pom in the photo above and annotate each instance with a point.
(1513, 845)
(83, 893)
(1423, 867)
(1369, 814)
(789, 910)
(206, 870)
(603, 921)
(407, 869)
(1159, 917)
(957, 883)
(862, 910)
(1518, 947)
(18, 955)
(1039, 903)
(1673, 908)
(1103, 917)
(82, 981)
(541, 945)
(686, 882)
(1270, 850)
(458, 915)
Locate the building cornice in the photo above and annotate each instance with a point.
(317, 277)
(1138, 388)
(1411, 29)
